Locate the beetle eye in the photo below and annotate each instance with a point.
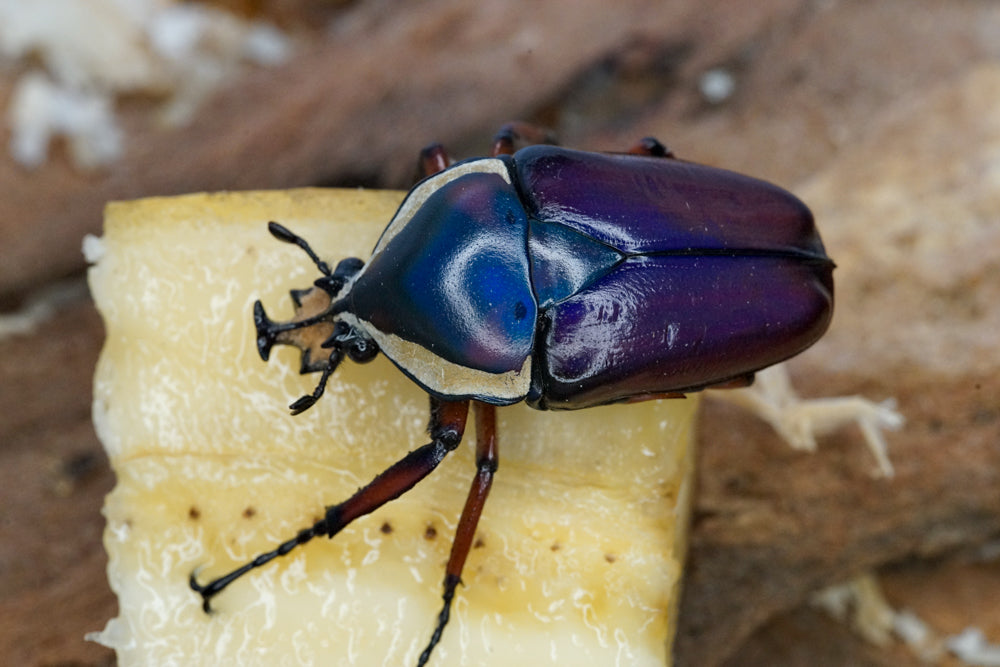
(362, 350)
(359, 348)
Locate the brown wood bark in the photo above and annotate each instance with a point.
(882, 120)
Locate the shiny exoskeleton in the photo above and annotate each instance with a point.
(562, 278)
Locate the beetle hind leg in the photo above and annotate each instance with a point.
(486, 466)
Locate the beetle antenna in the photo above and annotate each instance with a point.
(286, 235)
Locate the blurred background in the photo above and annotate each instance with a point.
(884, 116)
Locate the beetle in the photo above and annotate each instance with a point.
(561, 278)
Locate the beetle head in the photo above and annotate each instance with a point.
(316, 328)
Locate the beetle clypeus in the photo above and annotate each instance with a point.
(561, 278)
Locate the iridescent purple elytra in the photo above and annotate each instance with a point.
(599, 277)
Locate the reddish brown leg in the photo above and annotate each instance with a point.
(513, 135)
(650, 147)
(433, 159)
(486, 465)
(447, 425)
(733, 383)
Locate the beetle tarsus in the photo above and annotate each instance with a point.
(306, 402)
(216, 586)
(449, 594)
(302, 404)
(515, 133)
(433, 159)
(651, 147)
(206, 605)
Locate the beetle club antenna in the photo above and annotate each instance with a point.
(286, 235)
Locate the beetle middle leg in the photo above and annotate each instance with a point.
(447, 426)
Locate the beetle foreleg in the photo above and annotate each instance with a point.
(446, 429)
(303, 403)
(486, 466)
(271, 333)
(343, 340)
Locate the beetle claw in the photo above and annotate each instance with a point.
(206, 596)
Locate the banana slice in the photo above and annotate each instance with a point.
(578, 556)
